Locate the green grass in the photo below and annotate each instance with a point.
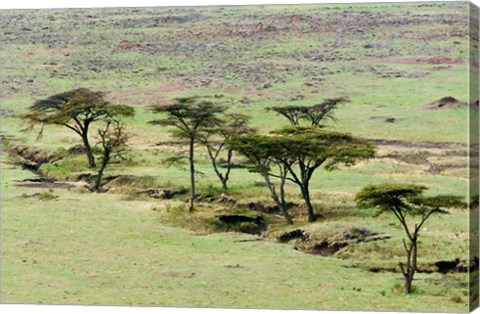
(67, 251)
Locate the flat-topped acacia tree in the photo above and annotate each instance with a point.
(215, 140)
(295, 153)
(76, 110)
(305, 149)
(261, 152)
(403, 200)
(312, 115)
(189, 116)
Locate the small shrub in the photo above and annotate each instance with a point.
(48, 195)
(176, 211)
(455, 298)
(397, 288)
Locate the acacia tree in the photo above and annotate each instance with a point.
(189, 116)
(76, 110)
(215, 140)
(113, 142)
(260, 151)
(404, 200)
(305, 149)
(313, 115)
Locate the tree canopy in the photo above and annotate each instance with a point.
(298, 151)
(405, 200)
(75, 109)
(113, 142)
(305, 149)
(312, 115)
(260, 150)
(215, 140)
(189, 116)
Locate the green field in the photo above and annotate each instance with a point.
(62, 244)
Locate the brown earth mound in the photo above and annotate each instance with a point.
(445, 103)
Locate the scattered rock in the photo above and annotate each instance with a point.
(390, 120)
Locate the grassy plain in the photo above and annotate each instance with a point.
(69, 246)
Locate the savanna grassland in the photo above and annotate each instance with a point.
(404, 68)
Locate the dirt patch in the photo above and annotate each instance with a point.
(419, 157)
(32, 158)
(443, 267)
(76, 150)
(155, 95)
(45, 185)
(340, 240)
(221, 199)
(295, 234)
(164, 194)
(405, 74)
(239, 223)
(445, 103)
(422, 145)
(128, 184)
(428, 60)
(234, 219)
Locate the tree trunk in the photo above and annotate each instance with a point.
(411, 266)
(306, 197)
(280, 204)
(88, 150)
(283, 208)
(408, 285)
(192, 175)
(224, 183)
(98, 181)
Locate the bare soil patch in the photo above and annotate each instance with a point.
(333, 244)
(422, 145)
(264, 207)
(428, 60)
(155, 95)
(45, 185)
(445, 103)
(161, 193)
(443, 267)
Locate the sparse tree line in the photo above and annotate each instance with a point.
(287, 155)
